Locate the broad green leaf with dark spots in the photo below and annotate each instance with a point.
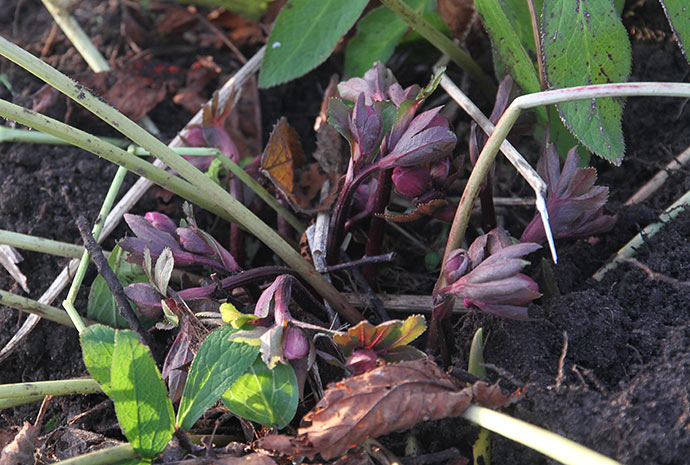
(97, 343)
(304, 35)
(678, 15)
(215, 368)
(584, 43)
(265, 396)
(141, 400)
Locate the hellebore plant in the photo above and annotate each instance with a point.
(190, 245)
(574, 203)
(384, 134)
(487, 276)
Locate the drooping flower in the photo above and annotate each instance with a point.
(574, 203)
(487, 276)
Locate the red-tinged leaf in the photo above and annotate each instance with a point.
(381, 338)
(390, 398)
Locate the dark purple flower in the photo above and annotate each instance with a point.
(492, 281)
(574, 203)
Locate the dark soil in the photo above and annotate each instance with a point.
(623, 388)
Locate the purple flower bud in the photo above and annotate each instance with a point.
(194, 242)
(456, 265)
(411, 181)
(362, 360)
(161, 221)
(296, 345)
(147, 300)
(439, 170)
(366, 126)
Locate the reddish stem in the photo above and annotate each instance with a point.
(377, 225)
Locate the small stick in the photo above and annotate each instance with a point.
(658, 180)
(655, 276)
(354, 263)
(561, 374)
(111, 280)
(403, 303)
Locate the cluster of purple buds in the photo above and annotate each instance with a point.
(273, 326)
(487, 275)
(212, 133)
(574, 203)
(190, 245)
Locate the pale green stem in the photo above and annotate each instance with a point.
(505, 124)
(481, 449)
(242, 175)
(38, 137)
(39, 244)
(62, 387)
(107, 151)
(48, 312)
(17, 401)
(231, 209)
(443, 43)
(102, 457)
(107, 205)
(550, 444)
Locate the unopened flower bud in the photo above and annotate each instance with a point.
(362, 360)
(411, 181)
(194, 242)
(296, 345)
(456, 265)
(161, 221)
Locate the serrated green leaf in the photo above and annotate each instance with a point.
(265, 396)
(304, 35)
(378, 33)
(97, 343)
(584, 43)
(678, 15)
(140, 397)
(215, 368)
(101, 304)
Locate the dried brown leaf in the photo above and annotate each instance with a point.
(21, 450)
(249, 459)
(458, 15)
(390, 398)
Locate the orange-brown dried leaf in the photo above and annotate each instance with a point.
(458, 15)
(390, 398)
(250, 459)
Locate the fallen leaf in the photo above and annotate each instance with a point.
(458, 15)
(21, 450)
(200, 74)
(390, 398)
(282, 162)
(250, 459)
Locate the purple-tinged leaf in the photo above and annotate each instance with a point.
(366, 126)
(361, 361)
(339, 118)
(429, 145)
(148, 233)
(146, 298)
(179, 356)
(374, 85)
(193, 241)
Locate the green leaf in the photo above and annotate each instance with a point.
(97, 343)
(101, 304)
(678, 15)
(518, 16)
(378, 33)
(265, 396)
(163, 270)
(585, 43)
(506, 40)
(215, 368)
(141, 400)
(304, 35)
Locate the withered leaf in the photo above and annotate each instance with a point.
(249, 459)
(21, 450)
(390, 398)
(458, 15)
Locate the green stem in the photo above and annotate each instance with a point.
(107, 151)
(230, 208)
(505, 124)
(102, 457)
(548, 443)
(38, 137)
(39, 244)
(62, 387)
(242, 175)
(48, 312)
(443, 43)
(107, 205)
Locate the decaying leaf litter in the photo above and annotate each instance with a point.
(607, 381)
